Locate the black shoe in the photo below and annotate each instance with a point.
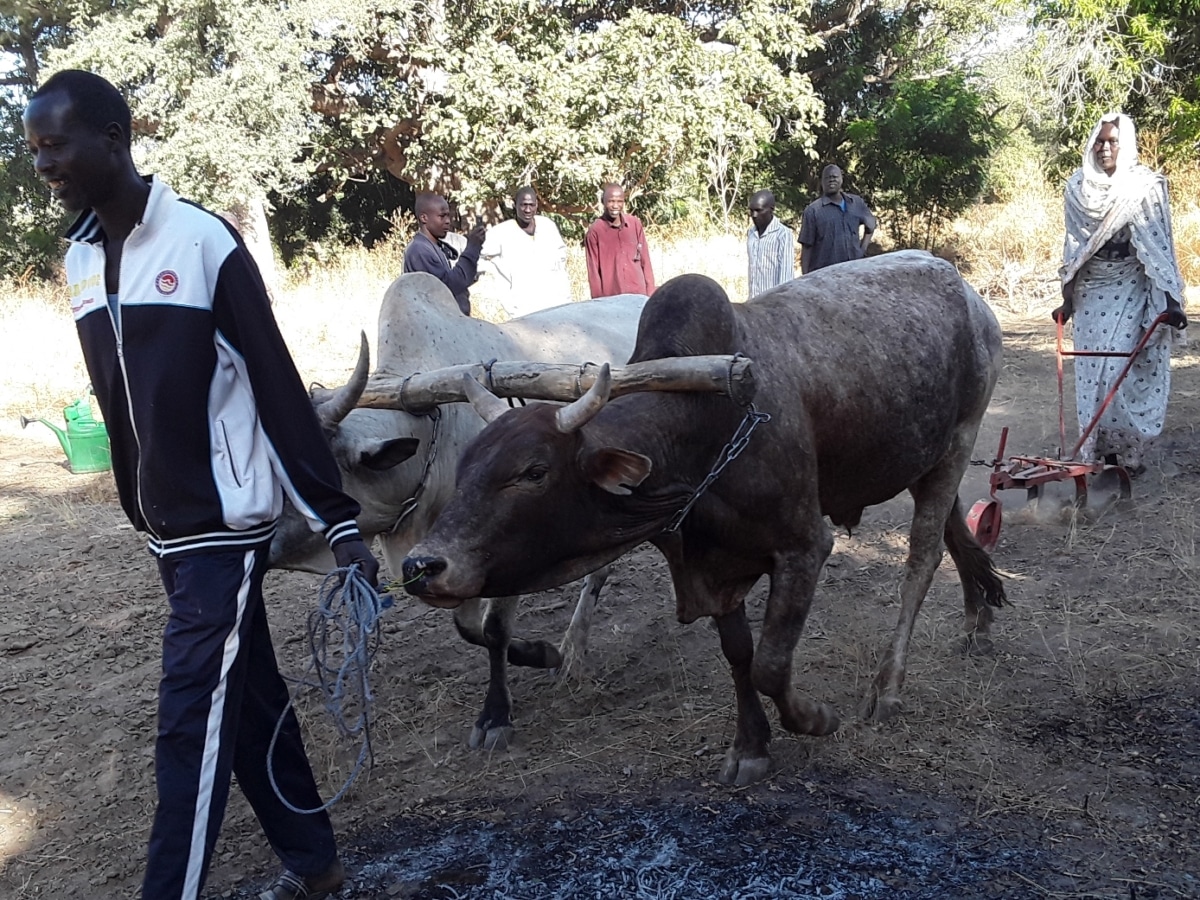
(291, 886)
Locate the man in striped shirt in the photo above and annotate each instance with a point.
(770, 245)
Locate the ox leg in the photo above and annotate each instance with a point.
(793, 584)
(747, 760)
(933, 498)
(573, 648)
(469, 619)
(489, 623)
(982, 588)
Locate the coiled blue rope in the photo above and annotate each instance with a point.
(343, 635)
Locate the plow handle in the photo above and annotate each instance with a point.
(1131, 358)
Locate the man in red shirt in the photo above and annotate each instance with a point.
(618, 257)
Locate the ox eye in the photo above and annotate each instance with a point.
(536, 474)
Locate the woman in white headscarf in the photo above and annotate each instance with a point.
(1119, 274)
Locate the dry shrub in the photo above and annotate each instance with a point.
(41, 367)
(1010, 252)
(675, 251)
(1185, 215)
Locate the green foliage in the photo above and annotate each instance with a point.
(924, 156)
(307, 101)
(29, 222)
(642, 102)
(865, 52)
(339, 110)
(1138, 56)
(218, 90)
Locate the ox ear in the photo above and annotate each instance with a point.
(488, 405)
(616, 470)
(384, 455)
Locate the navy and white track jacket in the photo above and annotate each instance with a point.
(209, 421)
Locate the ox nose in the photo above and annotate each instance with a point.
(418, 568)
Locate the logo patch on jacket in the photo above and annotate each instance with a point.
(166, 282)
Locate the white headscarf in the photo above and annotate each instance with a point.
(1099, 205)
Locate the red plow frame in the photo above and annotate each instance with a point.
(1031, 472)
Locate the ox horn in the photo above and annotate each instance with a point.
(345, 398)
(488, 405)
(578, 413)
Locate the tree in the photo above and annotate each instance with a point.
(866, 50)
(1138, 56)
(925, 155)
(30, 222)
(238, 99)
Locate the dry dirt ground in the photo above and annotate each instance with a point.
(1066, 763)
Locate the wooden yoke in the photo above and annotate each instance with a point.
(729, 375)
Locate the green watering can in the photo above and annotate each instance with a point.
(85, 441)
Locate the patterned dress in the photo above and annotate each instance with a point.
(1120, 253)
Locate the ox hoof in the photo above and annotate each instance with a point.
(977, 644)
(740, 772)
(879, 709)
(534, 654)
(495, 738)
(815, 719)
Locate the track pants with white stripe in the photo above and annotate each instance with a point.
(218, 702)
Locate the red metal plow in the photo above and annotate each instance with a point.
(1031, 472)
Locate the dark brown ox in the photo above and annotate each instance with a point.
(876, 375)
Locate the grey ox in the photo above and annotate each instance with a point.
(876, 375)
(400, 466)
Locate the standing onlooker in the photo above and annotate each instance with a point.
(210, 427)
(836, 227)
(430, 252)
(618, 258)
(530, 258)
(770, 246)
(1119, 274)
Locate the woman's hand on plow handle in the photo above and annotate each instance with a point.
(1064, 312)
(1175, 315)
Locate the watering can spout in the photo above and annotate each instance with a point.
(60, 433)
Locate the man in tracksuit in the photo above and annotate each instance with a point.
(210, 427)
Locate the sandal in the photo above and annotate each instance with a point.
(290, 886)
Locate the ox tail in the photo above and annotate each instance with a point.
(978, 573)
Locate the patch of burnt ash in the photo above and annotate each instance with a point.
(1162, 729)
(796, 843)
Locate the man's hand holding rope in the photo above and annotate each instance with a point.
(348, 553)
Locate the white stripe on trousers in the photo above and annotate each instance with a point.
(212, 741)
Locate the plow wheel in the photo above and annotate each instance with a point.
(984, 522)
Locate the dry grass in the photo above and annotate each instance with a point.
(1105, 617)
(1010, 252)
(320, 310)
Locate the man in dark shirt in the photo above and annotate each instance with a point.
(836, 227)
(430, 253)
(618, 258)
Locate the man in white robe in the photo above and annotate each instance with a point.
(529, 258)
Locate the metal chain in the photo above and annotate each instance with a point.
(412, 502)
(730, 452)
